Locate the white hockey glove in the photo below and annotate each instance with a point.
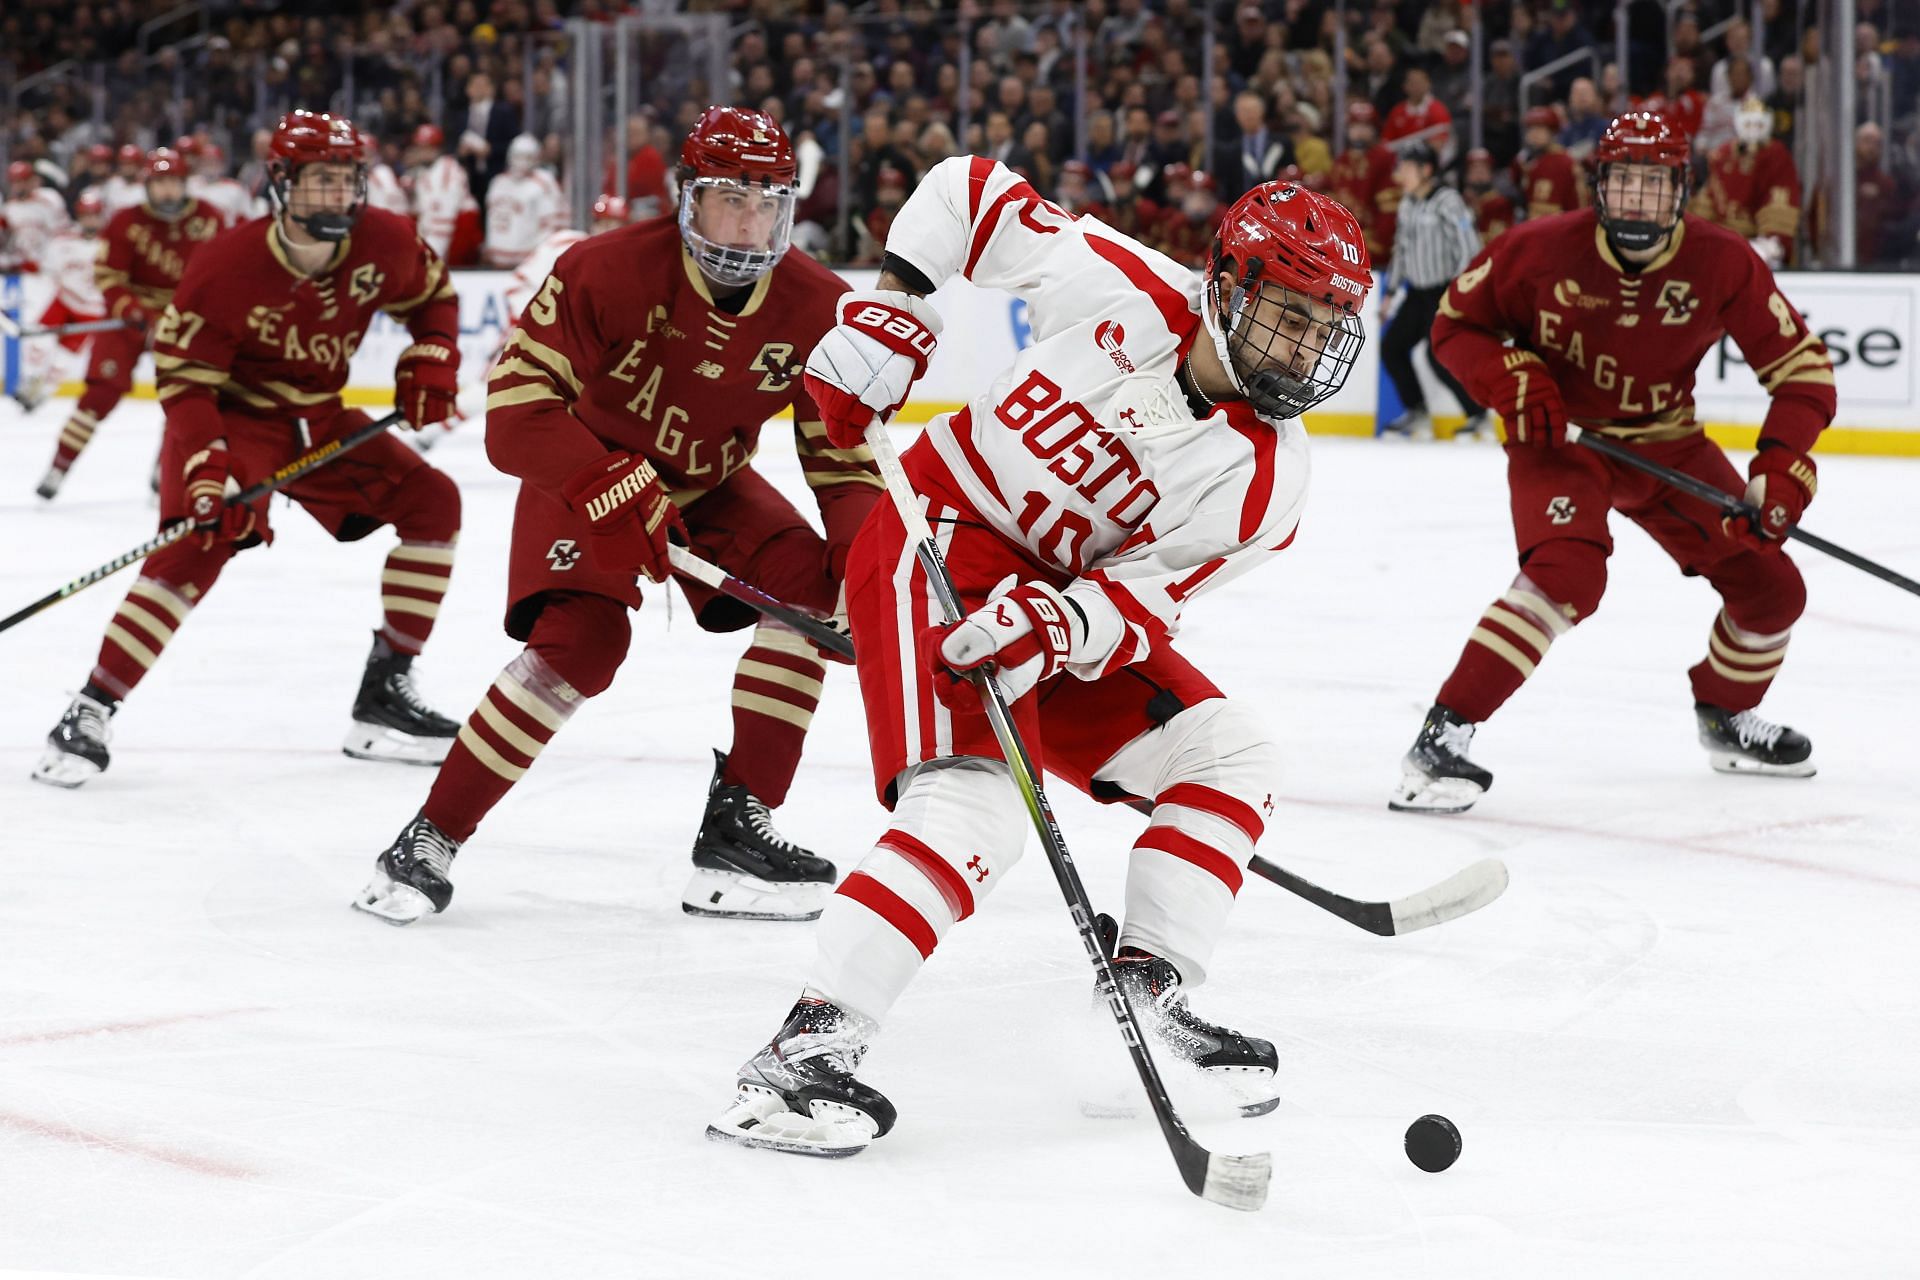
(866, 364)
(1769, 250)
(1028, 632)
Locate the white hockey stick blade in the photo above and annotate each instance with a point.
(1238, 1182)
(1458, 895)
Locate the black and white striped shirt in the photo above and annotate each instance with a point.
(1434, 238)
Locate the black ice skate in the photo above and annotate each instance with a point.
(743, 869)
(1436, 776)
(390, 721)
(1742, 742)
(411, 878)
(77, 748)
(799, 1094)
(1244, 1065)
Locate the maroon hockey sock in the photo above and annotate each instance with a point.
(1739, 666)
(499, 742)
(775, 689)
(412, 583)
(172, 581)
(1509, 641)
(74, 438)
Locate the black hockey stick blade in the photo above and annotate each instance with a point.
(815, 629)
(1736, 506)
(1462, 893)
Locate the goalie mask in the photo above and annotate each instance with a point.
(736, 177)
(316, 174)
(1642, 175)
(1287, 325)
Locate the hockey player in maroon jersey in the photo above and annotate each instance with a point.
(144, 251)
(250, 357)
(1363, 179)
(1143, 450)
(1548, 178)
(1752, 187)
(1492, 211)
(635, 384)
(1600, 318)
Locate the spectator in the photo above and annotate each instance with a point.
(1686, 44)
(1248, 44)
(1075, 192)
(1882, 204)
(489, 128)
(1103, 149)
(1441, 19)
(1739, 44)
(1716, 121)
(1378, 82)
(1362, 180)
(1500, 102)
(1124, 209)
(1000, 144)
(1310, 150)
(1493, 211)
(1257, 152)
(1563, 35)
(1453, 80)
(1785, 101)
(1681, 103)
(1549, 181)
(1421, 116)
(1586, 121)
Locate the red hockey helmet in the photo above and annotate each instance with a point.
(1176, 173)
(611, 209)
(166, 162)
(304, 138)
(428, 135)
(89, 205)
(1078, 169)
(1287, 322)
(21, 171)
(1204, 181)
(736, 194)
(1541, 118)
(1643, 171)
(187, 145)
(1360, 111)
(130, 155)
(100, 153)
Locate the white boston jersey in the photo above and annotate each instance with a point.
(535, 268)
(441, 194)
(67, 263)
(385, 192)
(119, 193)
(228, 198)
(32, 220)
(1085, 451)
(521, 211)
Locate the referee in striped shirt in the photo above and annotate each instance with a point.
(1434, 240)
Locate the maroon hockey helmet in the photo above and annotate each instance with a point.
(304, 138)
(1541, 118)
(100, 153)
(611, 209)
(130, 155)
(1360, 111)
(1635, 148)
(1286, 322)
(736, 175)
(166, 162)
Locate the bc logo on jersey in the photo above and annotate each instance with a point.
(1561, 510)
(564, 554)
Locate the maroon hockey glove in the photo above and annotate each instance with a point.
(1780, 484)
(425, 382)
(132, 314)
(208, 482)
(864, 366)
(1027, 634)
(623, 501)
(1528, 401)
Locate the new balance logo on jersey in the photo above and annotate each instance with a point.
(564, 554)
(1108, 335)
(1561, 510)
(709, 369)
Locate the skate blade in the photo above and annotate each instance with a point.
(389, 900)
(1420, 794)
(390, 746)
(65, 770)
(735, 895)
(759, 1119)
(1733, 762)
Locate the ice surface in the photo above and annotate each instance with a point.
(1685, 1042)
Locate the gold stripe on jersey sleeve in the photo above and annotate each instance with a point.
(512, 368)
(827, 479)
(525, 393)
(1808, 366)
(1762, 371)
(555, 364)
(185, 371)
(294, 395)
(859, 456)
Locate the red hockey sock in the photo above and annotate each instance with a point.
(775, 689)
(1509, 641)
(411, 586)
(74, 438)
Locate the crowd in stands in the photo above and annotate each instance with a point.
(1150, 131)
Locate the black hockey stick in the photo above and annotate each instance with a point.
(1735, 506)
(815, 629)
(1462, 893)
(1238, 1182)
(174, 532)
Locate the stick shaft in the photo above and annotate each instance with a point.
(746, 593)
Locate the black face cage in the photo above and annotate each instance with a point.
(1640, 233)
(1286, 356)
(326, 225)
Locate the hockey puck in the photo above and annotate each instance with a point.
(1433, 1143)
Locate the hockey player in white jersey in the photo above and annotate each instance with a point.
(127, 186)
(32, 214)
(209, 182)
(67, 263)
(1143, 451)
(384, 190)
(441, 192)
(524, 206)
